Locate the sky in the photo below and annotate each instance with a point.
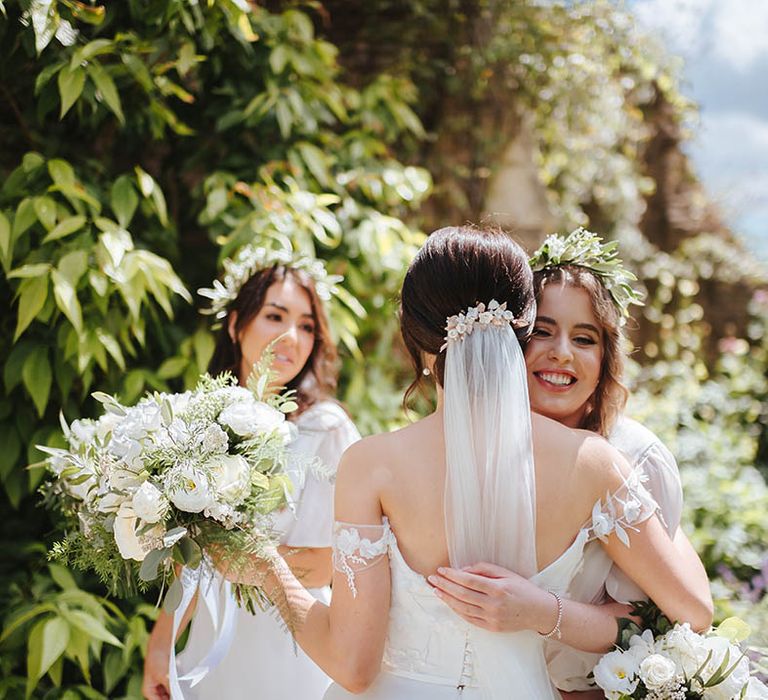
(724, 46)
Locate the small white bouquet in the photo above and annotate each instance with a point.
(681, 664)
(163, 481)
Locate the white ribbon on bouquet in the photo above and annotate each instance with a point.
(212, 590)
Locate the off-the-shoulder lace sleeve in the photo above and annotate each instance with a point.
(624, 509)
(358, 547)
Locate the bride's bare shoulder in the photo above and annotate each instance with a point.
(376, 455)
(589, 455)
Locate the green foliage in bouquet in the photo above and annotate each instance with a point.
(648, 617)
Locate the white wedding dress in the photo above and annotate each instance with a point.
(430, 651)
(490, 505)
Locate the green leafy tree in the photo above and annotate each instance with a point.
(141, 144)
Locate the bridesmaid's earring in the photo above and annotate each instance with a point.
(426, 372)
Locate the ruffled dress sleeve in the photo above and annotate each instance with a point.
(325, 431)
(663, 483)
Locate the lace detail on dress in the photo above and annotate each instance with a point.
(359, 547)
(624, 509)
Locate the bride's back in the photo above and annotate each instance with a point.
(410, 470)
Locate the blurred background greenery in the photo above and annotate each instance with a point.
(143, 141)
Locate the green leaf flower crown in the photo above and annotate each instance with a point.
(252, 259)
(583, 248)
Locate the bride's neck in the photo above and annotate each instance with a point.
(440, 399)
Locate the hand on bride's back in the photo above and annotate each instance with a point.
(495, 598)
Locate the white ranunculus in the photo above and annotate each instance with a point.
(190, 491)
(616, 674)
(248, 418)
(235, 394)
(231, 477)
(149, 503)
(125, 534)
(657, 670)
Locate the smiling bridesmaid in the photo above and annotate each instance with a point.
(575, 360)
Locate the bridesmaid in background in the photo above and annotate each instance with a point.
(269, 295)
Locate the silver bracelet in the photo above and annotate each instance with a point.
(555, 631)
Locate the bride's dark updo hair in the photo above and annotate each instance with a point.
(456, 268)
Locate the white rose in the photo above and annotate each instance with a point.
(126, 449)
(616, 674)
(657, 670)
(190, 489)
(149, 503)
(231, 476)
(247, 418)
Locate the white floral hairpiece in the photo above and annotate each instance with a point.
(495, 314)
(251, 259)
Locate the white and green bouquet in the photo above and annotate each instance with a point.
(681, 664)
(164, 481)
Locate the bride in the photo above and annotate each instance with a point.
(479, 479)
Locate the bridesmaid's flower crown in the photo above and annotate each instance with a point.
(252, 259)
(582, 248)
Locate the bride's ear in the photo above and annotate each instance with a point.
(231, 325)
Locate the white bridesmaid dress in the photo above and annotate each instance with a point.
(262, 662)
(599, 577)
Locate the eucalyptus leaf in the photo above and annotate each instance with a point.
(173, 597)
(148, 571)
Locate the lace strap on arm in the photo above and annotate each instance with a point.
(358, 547)
(624, 509)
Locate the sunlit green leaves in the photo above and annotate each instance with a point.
(32, 294)
(106, 88)
(71, 82)
(37, 377)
